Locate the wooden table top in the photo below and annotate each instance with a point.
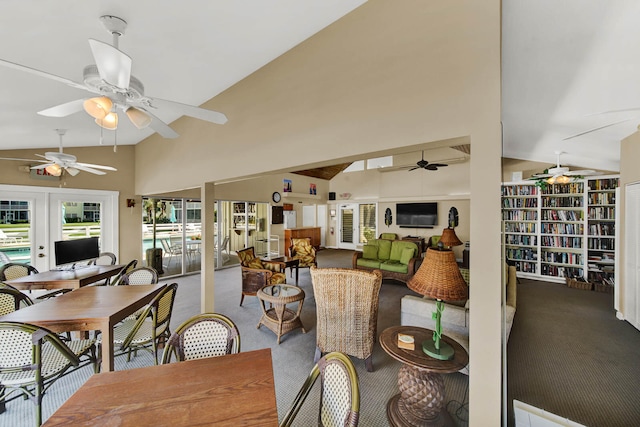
(417, 358)
(232, 390)
(81, 309)
(66, 279)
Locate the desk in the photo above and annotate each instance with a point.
(68, 279)
(232, 390)
(88, 309)
(421, 398)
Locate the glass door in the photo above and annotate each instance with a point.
(348, 223)
(23, 237)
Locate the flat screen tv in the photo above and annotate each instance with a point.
(72, 251)
(417, 215)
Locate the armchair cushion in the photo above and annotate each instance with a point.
(254, 263)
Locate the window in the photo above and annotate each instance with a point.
(367, 222)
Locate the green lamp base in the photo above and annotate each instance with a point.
(445, 352)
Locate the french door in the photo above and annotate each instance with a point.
(348, 225)
(33, 218)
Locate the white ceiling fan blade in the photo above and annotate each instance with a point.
(81, 167)
(595, 129)
(46, 75)
(583, 172)
(63, 110)
(24, 160)
(193, 111)
(113, 65)
(89, 165)
(161, 127)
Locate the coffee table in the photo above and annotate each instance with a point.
(421, 398)
(289, 262)
(275, 314)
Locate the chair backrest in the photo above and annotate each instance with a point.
(105, 258)
(346, 309)
(388, 236)
(160, 309)
(340, 392)
(139, 276)
(15, 270)
(203, 335)
(246, 255)
(127, 268)
(12, 299)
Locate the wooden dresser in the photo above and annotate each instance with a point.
(299, 233)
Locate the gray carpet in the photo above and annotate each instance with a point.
(569, 355)
(293, 358)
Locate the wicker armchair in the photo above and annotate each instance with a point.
(303, 251)
(203, 335)
(340, 395)
(258, 273)
(347, 311)
(32, 358)
(150, 329)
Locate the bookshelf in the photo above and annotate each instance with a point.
(561, 230)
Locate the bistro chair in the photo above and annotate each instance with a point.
(139, 276)
(127, 268)
(150, 329)
(32, 358)
(346, 311)
(105, 258)
(12, 299)
(258, 273)
(339, 395)
(203, 335)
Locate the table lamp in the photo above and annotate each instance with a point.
(439, 278)
(449, 238)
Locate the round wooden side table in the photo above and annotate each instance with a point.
(421, 398)
(275, 314)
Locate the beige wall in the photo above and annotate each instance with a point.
(388, 75)
(629, 173)
(122, 181)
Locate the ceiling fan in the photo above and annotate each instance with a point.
(111, 79)
(560, 174)
(423, 164)
(56, 162)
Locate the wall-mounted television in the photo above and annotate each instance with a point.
(72, 251)
(417, 215)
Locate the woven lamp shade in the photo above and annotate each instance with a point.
(449, 238)
(439, 277)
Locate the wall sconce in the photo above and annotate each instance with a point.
(332, 212)
(131, 203)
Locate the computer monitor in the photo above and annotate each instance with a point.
(72, 251)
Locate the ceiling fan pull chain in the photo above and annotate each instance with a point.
(115, 141)
(101, 135)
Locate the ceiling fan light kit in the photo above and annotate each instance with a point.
(111, 80)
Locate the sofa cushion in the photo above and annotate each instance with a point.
(407, 254)
(395, 266)
(384, 249)
(369, 263)
(370, 252)
(254, 263)
(398, 246)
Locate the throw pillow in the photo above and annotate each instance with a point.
(255, 263)
(407, 254)
(370, 251)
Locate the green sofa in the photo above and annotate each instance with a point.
(396, 259)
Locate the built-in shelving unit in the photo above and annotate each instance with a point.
(561, 230)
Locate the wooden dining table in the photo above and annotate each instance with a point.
(65, 279)
(232, 390)
(92, 308)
